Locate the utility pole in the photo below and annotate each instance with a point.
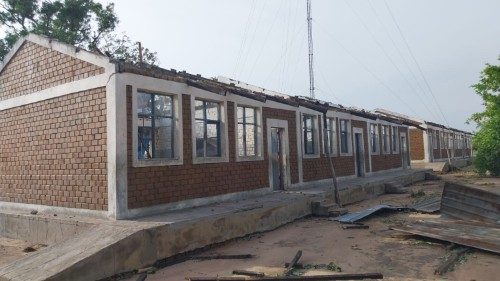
(310, 40)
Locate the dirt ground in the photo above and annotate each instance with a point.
(11, 250)
(378, 249)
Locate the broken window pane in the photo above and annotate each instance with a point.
(250, 140)
(308, 130)
(155, 132)
(247, 131)
(207, 129)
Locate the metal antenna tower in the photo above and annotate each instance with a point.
(310, 41)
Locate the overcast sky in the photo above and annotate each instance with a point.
(360, 57)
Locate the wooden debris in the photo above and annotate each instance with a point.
(447, 265)
(248, 273)
(355, 226)
(293, 262)
(223, 257)
(340, 276)
(142, 277)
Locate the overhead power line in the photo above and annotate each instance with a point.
(416, 62)
(378, 79)
(389, 58)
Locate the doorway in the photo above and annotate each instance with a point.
(278, 154)
(404, 151)
(276, 157)
(359, 151)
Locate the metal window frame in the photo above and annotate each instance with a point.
(305, 131)
(330, 135)
(153, 125)
(374, 140)
(342, 134)
(206, 122)
(245, 123)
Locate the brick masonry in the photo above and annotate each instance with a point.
(148, 186)
(417, 144)
(34, 68)
(391, 160)
(54, 152)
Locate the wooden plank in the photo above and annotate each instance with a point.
(448, 264)
(248, 273)
(293, 262)
(223, 257)
(355, 226)
(340, 276)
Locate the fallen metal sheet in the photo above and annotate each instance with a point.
(474, 234)
(356, 216)
(429, 205)
(468, 202)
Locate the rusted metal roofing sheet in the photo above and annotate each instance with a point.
(429, 205)
(480, 235)
(356, 216)
(467, 202)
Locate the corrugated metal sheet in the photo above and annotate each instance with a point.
(478, 235)
(429, 205)
(467, 202)
(356, 216)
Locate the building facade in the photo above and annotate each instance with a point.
(83, 134)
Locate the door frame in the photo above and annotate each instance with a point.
(355, 131)
(285, 145)
(407, 152)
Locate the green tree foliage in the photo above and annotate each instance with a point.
(82, 23)
(486, 141)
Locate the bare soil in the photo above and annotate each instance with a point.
(11, 250)
(396, 255)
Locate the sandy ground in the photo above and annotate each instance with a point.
(11, 250)
(377, 249)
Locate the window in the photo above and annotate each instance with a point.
(385, 138)
(308, 129)
(374, 143)
(450, 141)
(434, 140)
(394, 142)
(442, 140)
(207, 128)
(344, 136)
(155, 125)
(247, 131)
(331, 136)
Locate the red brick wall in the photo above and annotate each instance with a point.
(416, 144)
(319, 168)
(148, 186)
(387, 161)
(54, 152)
(34, 68)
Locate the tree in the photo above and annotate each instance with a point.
(82, 23)
(486, 141)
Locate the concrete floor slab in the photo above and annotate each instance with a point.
(112, 247)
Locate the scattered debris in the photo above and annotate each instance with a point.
(34, 212)
(340, 276)
(429, 205)
(293, 262)
(395, 188)
(449, 263)
(470, 203)
(223, 257)
(142, 277)
(147, 270)
(356, 216)
(468, 233)
(417, 194)
(322, 209)
(248, 273)
(34, 248)
(355, 226)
